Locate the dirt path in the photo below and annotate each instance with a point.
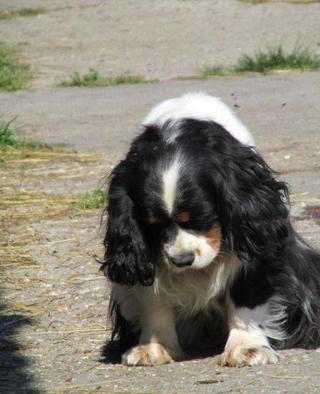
(281, 110)
(155, 39)
(54, 300)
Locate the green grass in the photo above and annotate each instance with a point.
(278, 59)
(14, 75)
(283, 1)
(215, 70)
(9, 139)
(93, 78)
(22, 12)
(271, 59)
(93, 200)
(254, 1)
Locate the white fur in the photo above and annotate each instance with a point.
(277, 316)
(184, 292)
(170, 180)
(269, 317)
(149, 354)
(190, 291)
(199, 106)
(247, 343)
(155, 310)
(155, 320)
(187, 242)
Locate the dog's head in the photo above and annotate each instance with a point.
(185, 188)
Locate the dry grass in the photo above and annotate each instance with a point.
(24, 204)
(20, 207)
(46, 154)
(23, 167)
(48, 227)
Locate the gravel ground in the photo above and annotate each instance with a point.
(54, 300)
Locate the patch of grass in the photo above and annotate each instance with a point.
(82, 202)
(254, 1)
(215, 71)
(14, 75)
(272, 59)
(7, 137)
(8, 140)
(278, 59)
(22, 12)
(93, 200)
(93, 78)
(283, 1)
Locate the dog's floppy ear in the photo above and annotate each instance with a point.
(127, 258)
(254, 213)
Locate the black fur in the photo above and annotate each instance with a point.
(228, 183)
(123, 336)
(127, 257)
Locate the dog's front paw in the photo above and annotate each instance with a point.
(148, 355)
(246, 355)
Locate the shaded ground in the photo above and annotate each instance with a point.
(156, 39)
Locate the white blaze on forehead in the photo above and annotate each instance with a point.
(200, 106)
(170, 183)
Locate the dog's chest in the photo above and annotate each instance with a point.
(192, 291)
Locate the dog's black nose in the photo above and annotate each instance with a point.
(183, 260)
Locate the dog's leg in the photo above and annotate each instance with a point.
(158, 342)
(247, 345)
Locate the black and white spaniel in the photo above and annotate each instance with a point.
(199, 246)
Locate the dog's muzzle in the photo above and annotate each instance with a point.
(182, 260)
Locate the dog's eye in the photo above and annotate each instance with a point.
(183, 217)
(154, 220)
(199, 224)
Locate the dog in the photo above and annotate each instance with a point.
(199, 247)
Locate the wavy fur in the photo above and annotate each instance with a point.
(264, 282)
